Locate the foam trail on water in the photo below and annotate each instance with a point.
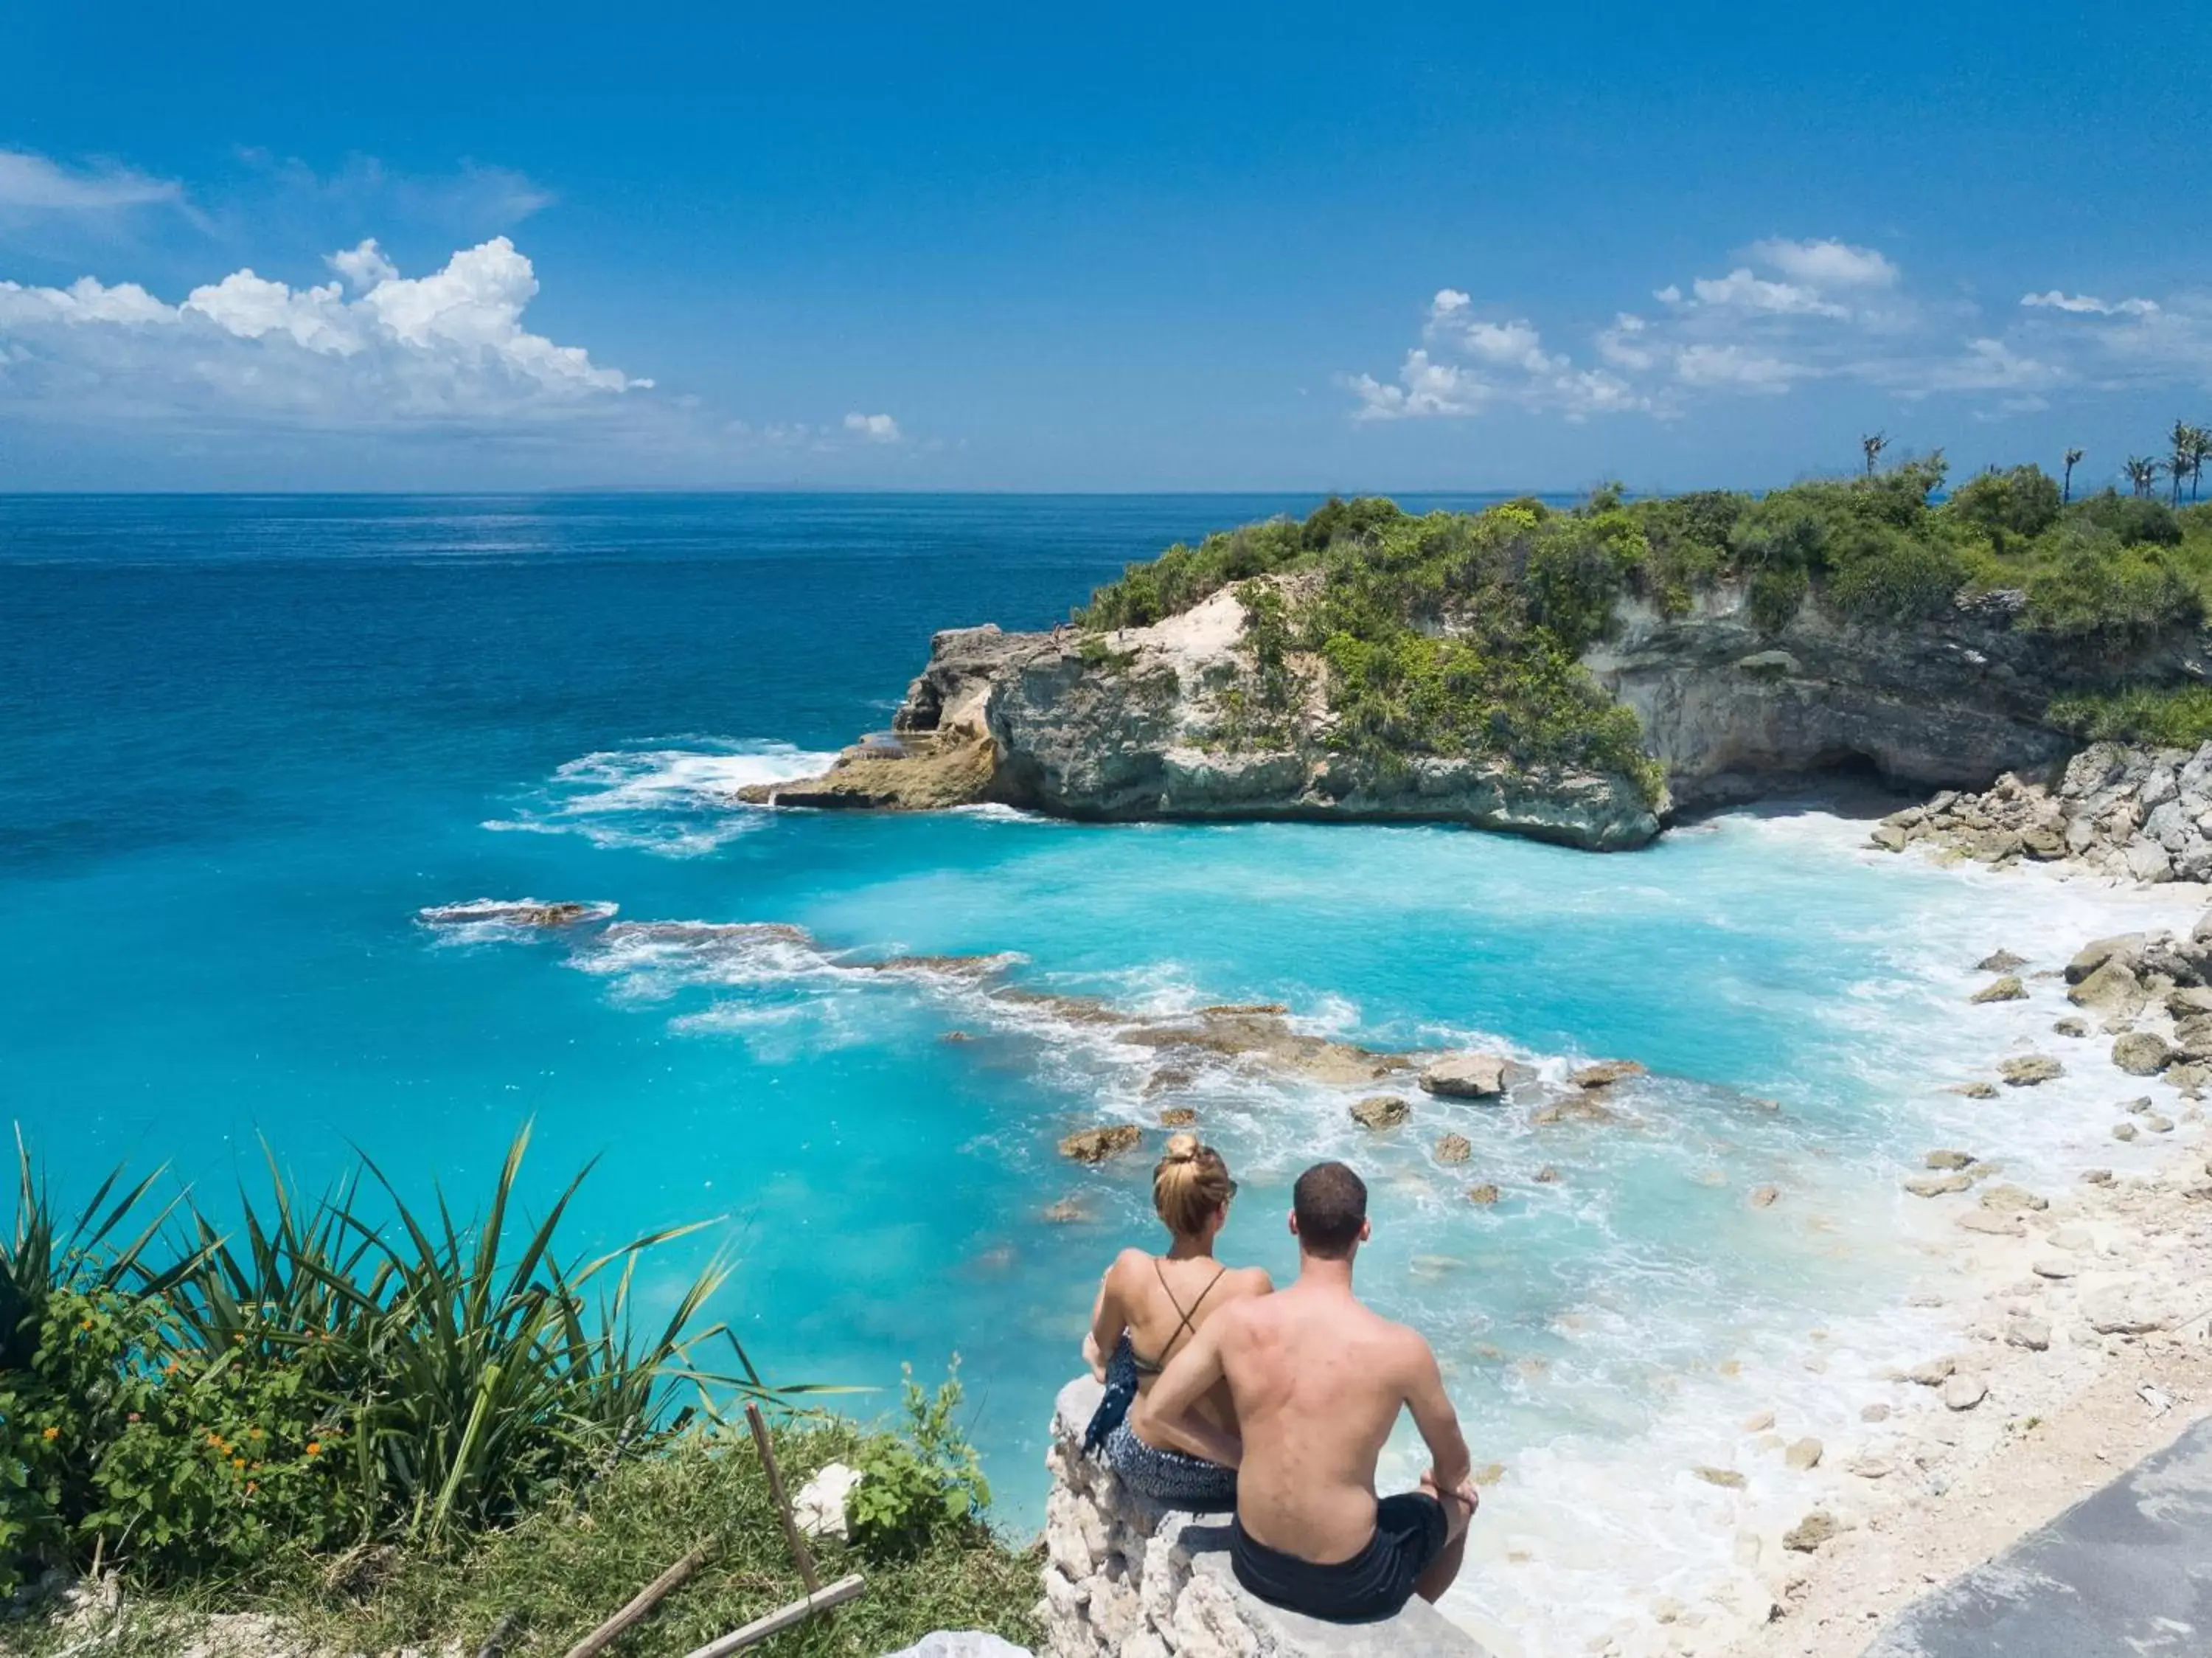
(675, 801)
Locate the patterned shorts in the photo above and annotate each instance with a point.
(1170, 1477)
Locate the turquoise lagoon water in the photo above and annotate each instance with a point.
(244, 742)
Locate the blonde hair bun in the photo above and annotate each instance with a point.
(1191, 1184)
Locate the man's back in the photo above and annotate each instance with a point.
(1318, 1381)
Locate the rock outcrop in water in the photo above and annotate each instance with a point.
(1134, 724)
(1140, 723)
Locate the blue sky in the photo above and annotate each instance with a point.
(1110, 247)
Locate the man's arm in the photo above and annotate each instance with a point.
(1450, 1465)
(1169, 1411)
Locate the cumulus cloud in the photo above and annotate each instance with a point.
(448, 346)
(2088, 304)
(1793, 313)
(1826, 265)
(873, 427)
(33, 183)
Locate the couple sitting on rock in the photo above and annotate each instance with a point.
(1222, 1392)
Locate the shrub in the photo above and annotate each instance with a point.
(338, 1374)
(2114, 595)
(2129, 519)
(2176, 717)
(914, 1489)
(2021, 503)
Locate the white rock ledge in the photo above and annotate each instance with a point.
(1127, 1578)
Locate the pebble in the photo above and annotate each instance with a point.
(1934, 1374)
(1974, 1090)
(2012, 1200)
(1808, 1534)
(1874, 1413)
(1763, 1196)
(1995, 1226)
(2033, 1334)
(1803, 1454)
(1869, 1467)
(1728, 1478)
(2124, 1130)
(2158, 1124)
(1758, 1424)
(2051, 1266)
(1945, 1158)
(2096, 1176)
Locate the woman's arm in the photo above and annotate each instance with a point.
(1106, 1324)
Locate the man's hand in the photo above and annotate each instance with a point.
(1459, 1503)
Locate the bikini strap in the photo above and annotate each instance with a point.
(1185, 1327)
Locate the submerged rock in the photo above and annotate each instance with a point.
(2003, 961)
(1096, 1145)
(1606, 1073)
(1380, 1111)
(1974, 1090)
(1807, 1534)
(2029, 1069)
(1453, 1148)
(2007, 989)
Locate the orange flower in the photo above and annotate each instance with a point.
(214, 1438)
(251, 1486)
(85, 1324)
(237, 1462)
(52, 1434)
(253, 1433)
(314, 1446)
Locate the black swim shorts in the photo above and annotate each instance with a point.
(1410, 1530)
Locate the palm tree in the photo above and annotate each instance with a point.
(2200, 451)
(2066, 491)
(2182, 438)
(2142, 473)
(1873, 443)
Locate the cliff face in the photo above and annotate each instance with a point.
(1143, 723)
(1730, 712)
(1155, 723)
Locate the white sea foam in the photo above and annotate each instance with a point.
(1607, 1331)
(676, 801)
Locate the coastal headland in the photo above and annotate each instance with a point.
(1580, 676)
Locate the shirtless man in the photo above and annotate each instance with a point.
(1317, 1380)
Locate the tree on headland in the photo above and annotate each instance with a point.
(1873, 443)
(2142, 472)
(2200, 451)
(2178, 467)
(2066, 488)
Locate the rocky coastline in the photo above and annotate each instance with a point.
(1151, 723)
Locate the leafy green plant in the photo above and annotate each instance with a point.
(915, 1487)
(2171, 717)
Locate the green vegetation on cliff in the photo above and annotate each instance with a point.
(387, 1427)
(1460, 633)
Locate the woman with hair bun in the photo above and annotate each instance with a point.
(1148, 1307)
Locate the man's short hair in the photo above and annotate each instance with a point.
(1330, 1202)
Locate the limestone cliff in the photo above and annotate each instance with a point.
(1144, 723)
(1157, 723)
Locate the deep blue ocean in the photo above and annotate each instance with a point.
(244, 741)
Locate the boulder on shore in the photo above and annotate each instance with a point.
(2140, 1053)
(2029, 1069)
(2007, 989)
(1466, 1076)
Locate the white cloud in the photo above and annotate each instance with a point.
(1798, 312)
(1753, 293)
(874, 428)
(31, 182)
(1826, 265)
(363, 267)
(2088, 304)
(449, 346)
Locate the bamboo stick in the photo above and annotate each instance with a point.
(801, 1556)
(844, 1590)
(642, 1603)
